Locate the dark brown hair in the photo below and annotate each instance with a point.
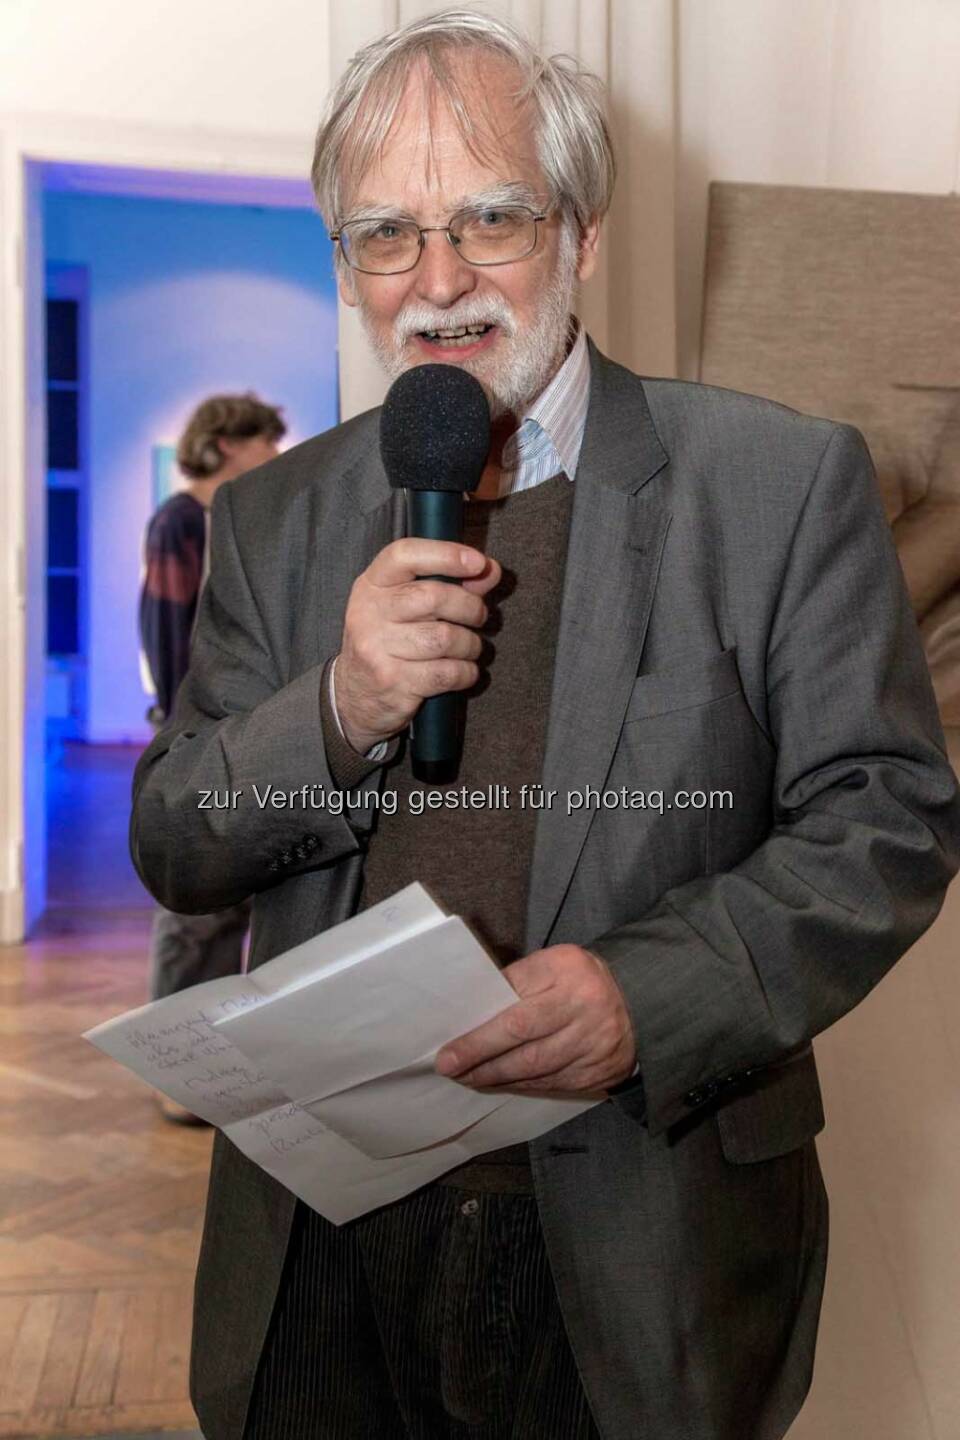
(234, 417)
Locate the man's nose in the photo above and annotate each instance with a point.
(442, 277)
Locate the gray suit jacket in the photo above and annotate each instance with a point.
(733, 618)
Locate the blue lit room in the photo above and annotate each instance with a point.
(156, 297)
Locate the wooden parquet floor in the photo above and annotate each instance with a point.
(101, 1200)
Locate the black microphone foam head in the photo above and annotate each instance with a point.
(435, 429)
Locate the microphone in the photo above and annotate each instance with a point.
(434, 439)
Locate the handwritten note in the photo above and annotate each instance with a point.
(176, 1046)
(318, 1065)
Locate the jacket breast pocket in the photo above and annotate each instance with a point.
(781, 1111)
(690, 685)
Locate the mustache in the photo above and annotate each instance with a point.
(478, 312)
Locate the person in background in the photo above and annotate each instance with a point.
(226, 436)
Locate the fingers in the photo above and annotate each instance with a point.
(488, 578)
(518, 1025)
(431, 600)
(422, 681)
(534, 974)
(528, 1064)
(436, 639)
(571, 1059)
(405, 559)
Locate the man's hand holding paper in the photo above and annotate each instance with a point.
(570, 1032)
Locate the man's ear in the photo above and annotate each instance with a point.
(345, 285)
(589, 245)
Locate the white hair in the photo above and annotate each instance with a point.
(573, 142)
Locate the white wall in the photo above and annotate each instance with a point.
(185, 299)
(214, 65)
(862, 94)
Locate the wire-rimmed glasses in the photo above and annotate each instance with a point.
(487, 235)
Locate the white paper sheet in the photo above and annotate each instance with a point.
(319, 1064)
(386, 1017)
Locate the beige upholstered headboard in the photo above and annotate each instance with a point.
(846, 303)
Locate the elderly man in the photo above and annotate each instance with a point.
(664, 588)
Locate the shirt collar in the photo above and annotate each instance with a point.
(558, 415)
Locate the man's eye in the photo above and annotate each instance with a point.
(491, 219)
(387, 231)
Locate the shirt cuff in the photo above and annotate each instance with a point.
(376, 752)
(347, 766)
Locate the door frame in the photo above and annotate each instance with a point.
(226, 164)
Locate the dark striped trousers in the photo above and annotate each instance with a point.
(434, 1318)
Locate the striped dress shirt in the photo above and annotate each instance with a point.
(550, 433)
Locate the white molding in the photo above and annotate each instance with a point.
(12, 538)
(11, 916)
(85, 141)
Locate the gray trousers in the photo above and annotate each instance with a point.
(186, 949)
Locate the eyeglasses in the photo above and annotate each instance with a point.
(485, 236)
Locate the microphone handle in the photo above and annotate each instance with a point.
(436, 732)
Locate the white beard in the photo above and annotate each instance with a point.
(524, 364)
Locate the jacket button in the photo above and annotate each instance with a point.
(274, 865)
(310, 841)
(702, 1093)
(285, 857)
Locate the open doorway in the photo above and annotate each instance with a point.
(142, 293)
(159, 288)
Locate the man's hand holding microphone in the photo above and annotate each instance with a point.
(406, 638)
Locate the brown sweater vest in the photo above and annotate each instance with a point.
(476, 861)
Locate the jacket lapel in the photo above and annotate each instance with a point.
(371, 492)
(617, 531)
(384, 510)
